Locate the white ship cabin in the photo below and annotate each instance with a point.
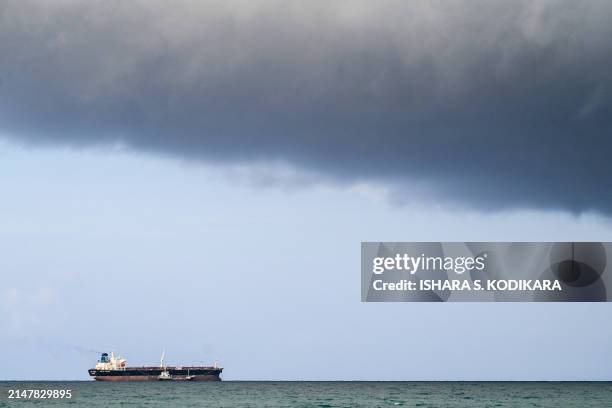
(110, 363)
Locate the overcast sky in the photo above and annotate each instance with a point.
(198, 177)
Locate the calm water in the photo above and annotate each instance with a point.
(322, 394)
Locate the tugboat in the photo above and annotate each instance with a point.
(114, 368)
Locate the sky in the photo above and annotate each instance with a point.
(111, 250)
(198, 178)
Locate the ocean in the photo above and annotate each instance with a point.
(317, 394)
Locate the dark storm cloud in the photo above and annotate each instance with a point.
(497, 104)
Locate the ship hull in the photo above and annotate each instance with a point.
(153, 373)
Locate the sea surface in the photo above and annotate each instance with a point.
(318, 394)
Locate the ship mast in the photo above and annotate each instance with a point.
(161, 362)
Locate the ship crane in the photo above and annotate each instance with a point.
(165, 374)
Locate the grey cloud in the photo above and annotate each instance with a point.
(494, 104)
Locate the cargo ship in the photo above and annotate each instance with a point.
(115, 368)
